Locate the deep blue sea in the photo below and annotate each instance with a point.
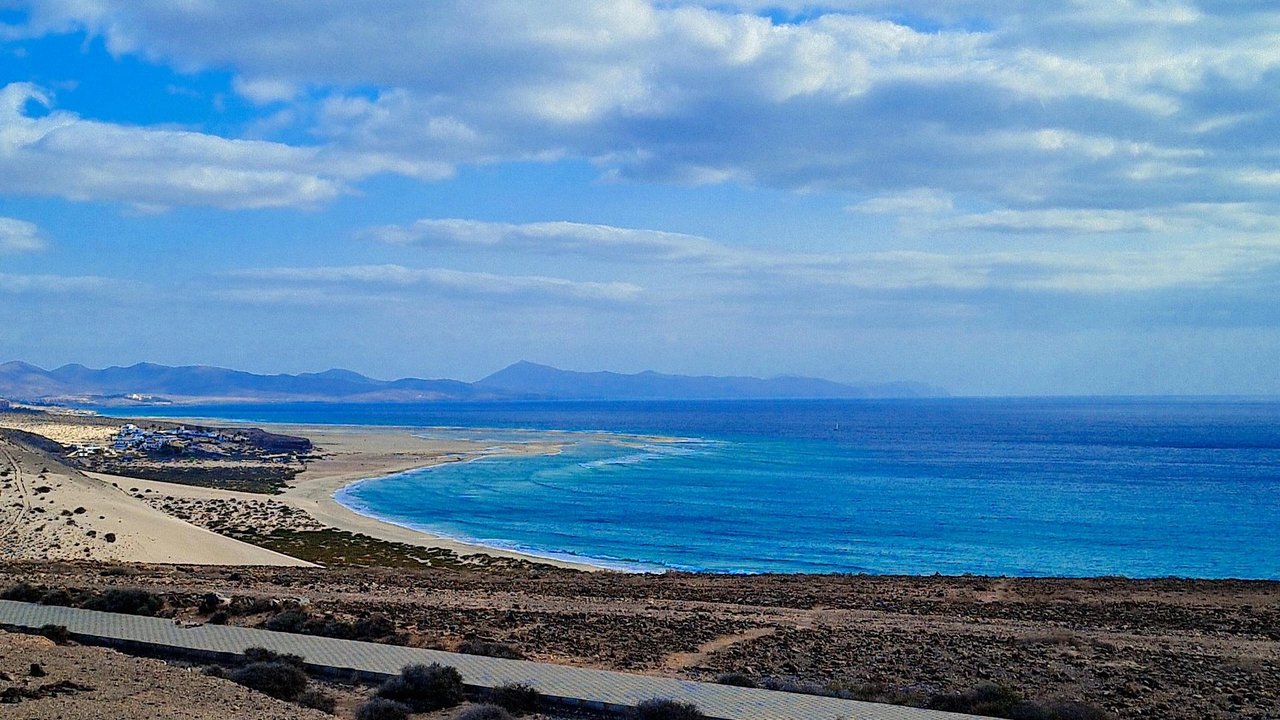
(1025, 487)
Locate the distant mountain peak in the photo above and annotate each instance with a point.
(533, 380)
(339, 374)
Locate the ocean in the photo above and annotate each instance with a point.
(1017, 487)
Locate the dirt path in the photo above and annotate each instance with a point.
(16, 504)
(682, 660)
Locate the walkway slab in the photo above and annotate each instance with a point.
(567, 685)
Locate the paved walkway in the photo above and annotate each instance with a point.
(568, 685)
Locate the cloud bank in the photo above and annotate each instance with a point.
(1088, 104)
(1112, 271)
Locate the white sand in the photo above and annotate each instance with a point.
(79, 517)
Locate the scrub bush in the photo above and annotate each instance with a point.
(664, 709)
(280, 680)
(425, 687)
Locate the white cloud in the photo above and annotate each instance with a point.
(1258, 176)
(550, 238)
(1038, 271)
(265, 91)
(1032, 272)
(457, 282)
(19, 236)
(1056, 222)
(920, 201)
(62, 154)
(56, 284)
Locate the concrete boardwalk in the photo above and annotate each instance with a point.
(568, 685)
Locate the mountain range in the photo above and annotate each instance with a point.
(148, 383)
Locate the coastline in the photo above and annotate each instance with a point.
(377, 453)
(351, 454)
(347, 454)
(1166, 646)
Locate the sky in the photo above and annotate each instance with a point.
(996, 197)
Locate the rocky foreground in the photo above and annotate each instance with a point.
(1136, 649)
(41, 679)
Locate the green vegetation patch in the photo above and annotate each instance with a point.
(265, 480)
(338, 547)
(332, 547)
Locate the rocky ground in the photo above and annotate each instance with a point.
(81, 683)
(231, 515)
(1138, 649)
(41, 680)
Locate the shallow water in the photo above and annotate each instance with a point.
(1083, 487)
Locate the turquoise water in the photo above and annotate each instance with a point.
(1141, 488)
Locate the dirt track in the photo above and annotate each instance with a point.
(15, 500)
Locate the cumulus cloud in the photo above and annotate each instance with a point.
(62, 154)
(1008, 120)
(19, 236)
(452, 282)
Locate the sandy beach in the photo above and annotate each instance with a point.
(343, 455)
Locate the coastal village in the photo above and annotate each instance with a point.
(132, 441)
(136, 440)
(241, 458)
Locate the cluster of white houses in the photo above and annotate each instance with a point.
(132, 438)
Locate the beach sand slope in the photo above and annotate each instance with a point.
(51, 512)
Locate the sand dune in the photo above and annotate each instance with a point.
(52, 512)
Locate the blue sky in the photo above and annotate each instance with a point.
(995, 197)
